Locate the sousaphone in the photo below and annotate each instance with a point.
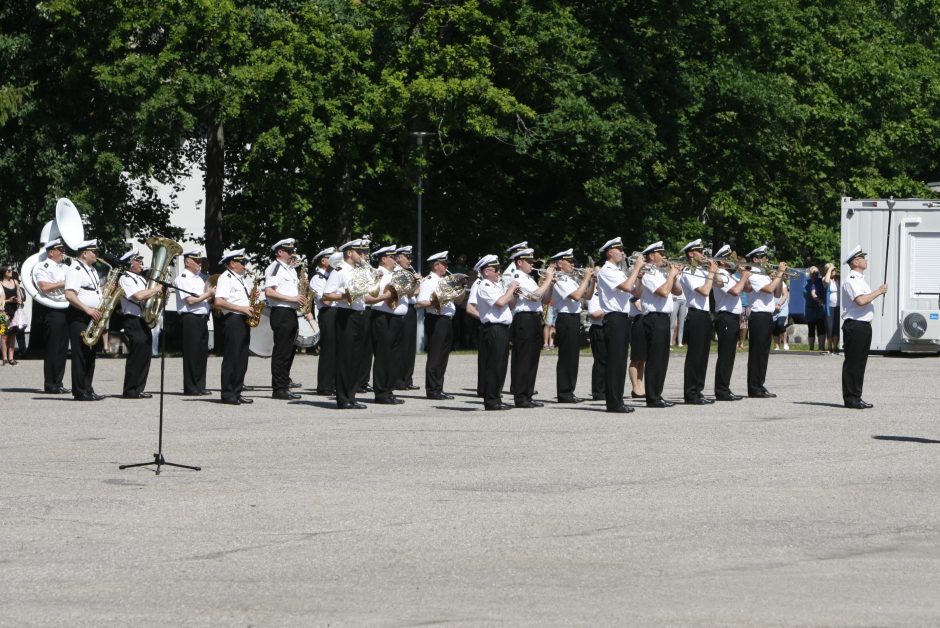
(68, 226)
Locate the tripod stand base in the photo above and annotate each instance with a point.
(159, 460)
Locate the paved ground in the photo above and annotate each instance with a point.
(790, 511)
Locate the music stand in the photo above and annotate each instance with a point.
(158, 458)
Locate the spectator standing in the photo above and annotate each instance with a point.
(815, 309)
(677, 320)
(781, 314)
(833, 306)
(11, 299)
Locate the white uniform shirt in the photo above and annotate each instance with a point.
(594, 306)
(233, 288)
(529, 285)
(855, 286)
(401, 308)
(761, 301)
(487, 295)
(429, 287)
(84, 281)
(337, 282)
(284, 280)
(131, 284)
(474, 292)
(689, 280)
(49, 271)
(612, 298)
(318, 285)
(561, 291)
(506, 277)
(652, 302)
(724, 300)
(194, 283)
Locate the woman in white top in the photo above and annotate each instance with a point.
(833, 305)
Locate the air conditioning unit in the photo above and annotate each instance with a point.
(921, 326)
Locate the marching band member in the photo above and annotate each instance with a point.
(438, 329)
(507, 274)
(763, 289)
(282, 292)
(326, 319)
(615, 289)
(406, 367)
(139, 336)
(696, 282)
(49, 276)
(527, 328)
(233, 297)
(350, 327)
(365, 364)
(567, 294)
(494, 303)
(194, 314)
(598, 346)
(659, 287)
(473, 311)
(728, 310)
(387, 330)
(83, 292)
(858, 312)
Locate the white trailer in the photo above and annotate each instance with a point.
(902, 239)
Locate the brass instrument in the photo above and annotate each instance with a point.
(305, 289)
(402, 284)
(255, 302)
(770, 269)
(111, 295)
(165, 251)
(450, 288)
(363, 280)
(68, 226)
(522, 292)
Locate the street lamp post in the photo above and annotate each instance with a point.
(419, 138)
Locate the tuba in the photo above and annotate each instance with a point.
(402, 284)
(68, 226)
(363, 280)
(164, 252)
(110, 296)
(450, 288)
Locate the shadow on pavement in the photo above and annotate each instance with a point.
(907, 439)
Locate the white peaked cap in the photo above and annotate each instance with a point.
(761, 250)
(438, 257)
(129, 256)
(517, 246)
(53, 243)
(724, 251)
(486, 260)
(232, 255)
(196, 252)
(694, 244)
(352, 244)
(856, 252)
(385, 250)
(286, 243)
(327, 251)
(87, 244)
(611, 244)
(655, 246)
(522, 253)
(403, 250)
(562, 255)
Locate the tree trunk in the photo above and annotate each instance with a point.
(215, 179)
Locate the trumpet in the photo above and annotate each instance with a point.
(770, 269)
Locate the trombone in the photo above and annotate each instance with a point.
(770, 269)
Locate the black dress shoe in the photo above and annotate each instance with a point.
(365, 389)
(389, 401)
(325, 393)
(95, 396)
(56, 391)
(409, 387)
(245, 400)
(762, 394)
(697, 401)
(248, 388)
(729, 397)
(570, 400)
(284, 394)
(232, 402)
(355, 405)
(621, 410)
(294, 385)
(440, 396)
(89, 397)
(203, 393)
(659, 403)
(499, 406)
(530, 404)
(855, 405)
(143, 395)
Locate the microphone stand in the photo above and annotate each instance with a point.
(158, 458)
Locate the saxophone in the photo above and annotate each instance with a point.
(255, 302)
(110, 295)
(305, 289)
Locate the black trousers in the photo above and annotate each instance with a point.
(617, 340)
(83, 356)
(140, 346)
(856, 342)
(234, 356)
(494, 348)
(409, 344)
(481, 360)
(350, 352)
(656, 329)
(599, 353)
(727, 328)
(195, 329)
(365, 363)
(57, 346)
(386, 344)
(760, 331)
(698, 339)
(526, 349)
(438, 338)
(568, 341)
(326, 363)
(284, 325)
